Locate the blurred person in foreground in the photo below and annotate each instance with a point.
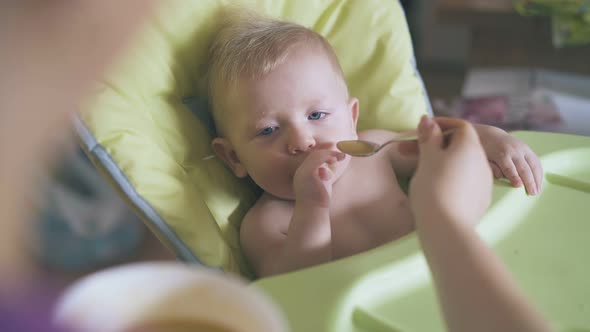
(52, 52)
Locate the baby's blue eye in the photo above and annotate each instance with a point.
(267, 131)
(316, 116)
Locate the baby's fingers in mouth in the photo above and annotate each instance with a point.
(325, 173)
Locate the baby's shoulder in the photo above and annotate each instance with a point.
(268, 209)
(376, 135)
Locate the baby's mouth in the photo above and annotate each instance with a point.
(335, 165)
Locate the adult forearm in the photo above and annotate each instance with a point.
(309, 239)
(475, 290)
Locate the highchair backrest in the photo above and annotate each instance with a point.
(140, 133)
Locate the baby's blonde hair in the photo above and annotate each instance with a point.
(249, 46)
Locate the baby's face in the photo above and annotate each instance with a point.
(276, 121)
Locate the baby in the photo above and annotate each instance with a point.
(280, 104)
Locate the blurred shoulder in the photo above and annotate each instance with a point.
(377, 135)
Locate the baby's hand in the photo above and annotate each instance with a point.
(511, 158)
(313, 179)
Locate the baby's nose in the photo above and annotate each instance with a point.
(300, 141)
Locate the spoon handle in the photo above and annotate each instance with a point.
(414, 137)
(410, 137)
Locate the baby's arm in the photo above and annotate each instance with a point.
(278, 237)
(508, 156)
(274, 241)
(511, 158)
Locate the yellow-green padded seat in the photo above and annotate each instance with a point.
(141, 135)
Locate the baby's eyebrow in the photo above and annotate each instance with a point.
(262, 114)
(316, 101)
(254, 127)
(323, 104)
(259, 123)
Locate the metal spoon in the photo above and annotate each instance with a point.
(360, 148)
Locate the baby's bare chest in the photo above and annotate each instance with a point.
(368, 209)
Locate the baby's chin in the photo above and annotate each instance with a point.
(287, 194)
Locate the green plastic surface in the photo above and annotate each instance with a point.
(542, 239)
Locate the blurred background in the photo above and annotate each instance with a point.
(519, 65)
(516, 64)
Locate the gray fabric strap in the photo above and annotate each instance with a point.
(99, 154)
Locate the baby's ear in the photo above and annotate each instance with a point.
(225, 151)
(353, 106)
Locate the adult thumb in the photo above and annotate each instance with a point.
(429, 135)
